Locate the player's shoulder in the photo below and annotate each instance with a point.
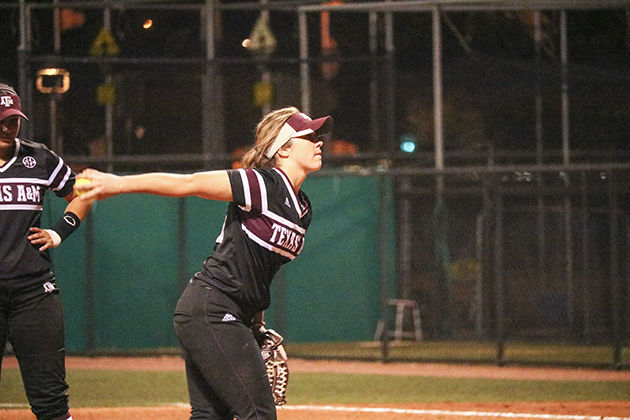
(39, 154)
(271, 173)
(264, 171)
(33, 146)
(274, 177)
(267, 175)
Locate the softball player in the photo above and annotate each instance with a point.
(264, 228)
(30, 309)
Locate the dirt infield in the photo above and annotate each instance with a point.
(609, 410)
(451, 411)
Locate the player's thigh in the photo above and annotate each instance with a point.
(36, 324)
(3, 336)
(220, 349)
(239, 349)
(4, 320)
(205, 404)
(230, 361)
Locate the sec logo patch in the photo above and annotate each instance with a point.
(29, 162)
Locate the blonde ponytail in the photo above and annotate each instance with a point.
(266, 132)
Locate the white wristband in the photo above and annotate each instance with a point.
(55, 237)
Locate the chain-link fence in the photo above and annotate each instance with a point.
(521, 255)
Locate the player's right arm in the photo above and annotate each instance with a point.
(213, 185)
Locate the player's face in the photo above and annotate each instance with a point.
(307, 151)
(9, 128)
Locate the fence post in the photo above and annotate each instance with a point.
(382, 253)
(615, 289)
(182, 257)
(586, 284)
(405, 236)
(499, 295)
(90, 283)
(25, 85)
(212, 119)
(390, 74)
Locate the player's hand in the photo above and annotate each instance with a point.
(41, 236)
(102, 185)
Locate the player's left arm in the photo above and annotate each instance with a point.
(75, 212)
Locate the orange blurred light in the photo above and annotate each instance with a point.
(147, 24)
(70, 19)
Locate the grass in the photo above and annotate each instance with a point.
(107, 388)
(323, 388)
(467, 351)
(92, 388)
(470, 351)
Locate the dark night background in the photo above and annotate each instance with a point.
(489, 91)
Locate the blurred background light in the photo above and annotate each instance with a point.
(407, 143)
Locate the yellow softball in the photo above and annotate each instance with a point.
(79, 182)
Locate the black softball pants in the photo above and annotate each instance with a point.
(32, 319)
(224, 368)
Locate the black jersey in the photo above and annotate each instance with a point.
(263, 229)
(24, 179)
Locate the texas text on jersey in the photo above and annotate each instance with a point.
(268, 220)
(24, 179)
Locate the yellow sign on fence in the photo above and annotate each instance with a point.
(104, 44)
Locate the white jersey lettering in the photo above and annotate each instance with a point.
(286, 238)
(21, 194)
(5, 193)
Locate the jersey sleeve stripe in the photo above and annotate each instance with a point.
(54, 173)
(262, 187)
(255, 188)
(246, 192)
(53, 181)
(220, 237)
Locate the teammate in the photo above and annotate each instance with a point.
(30, 308)
(264, 228)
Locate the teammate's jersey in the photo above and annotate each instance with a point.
(263, 229)
(24, 179)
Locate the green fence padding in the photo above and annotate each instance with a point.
(69, 265)
(136, 271)
(204, 220)
(331, 292)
